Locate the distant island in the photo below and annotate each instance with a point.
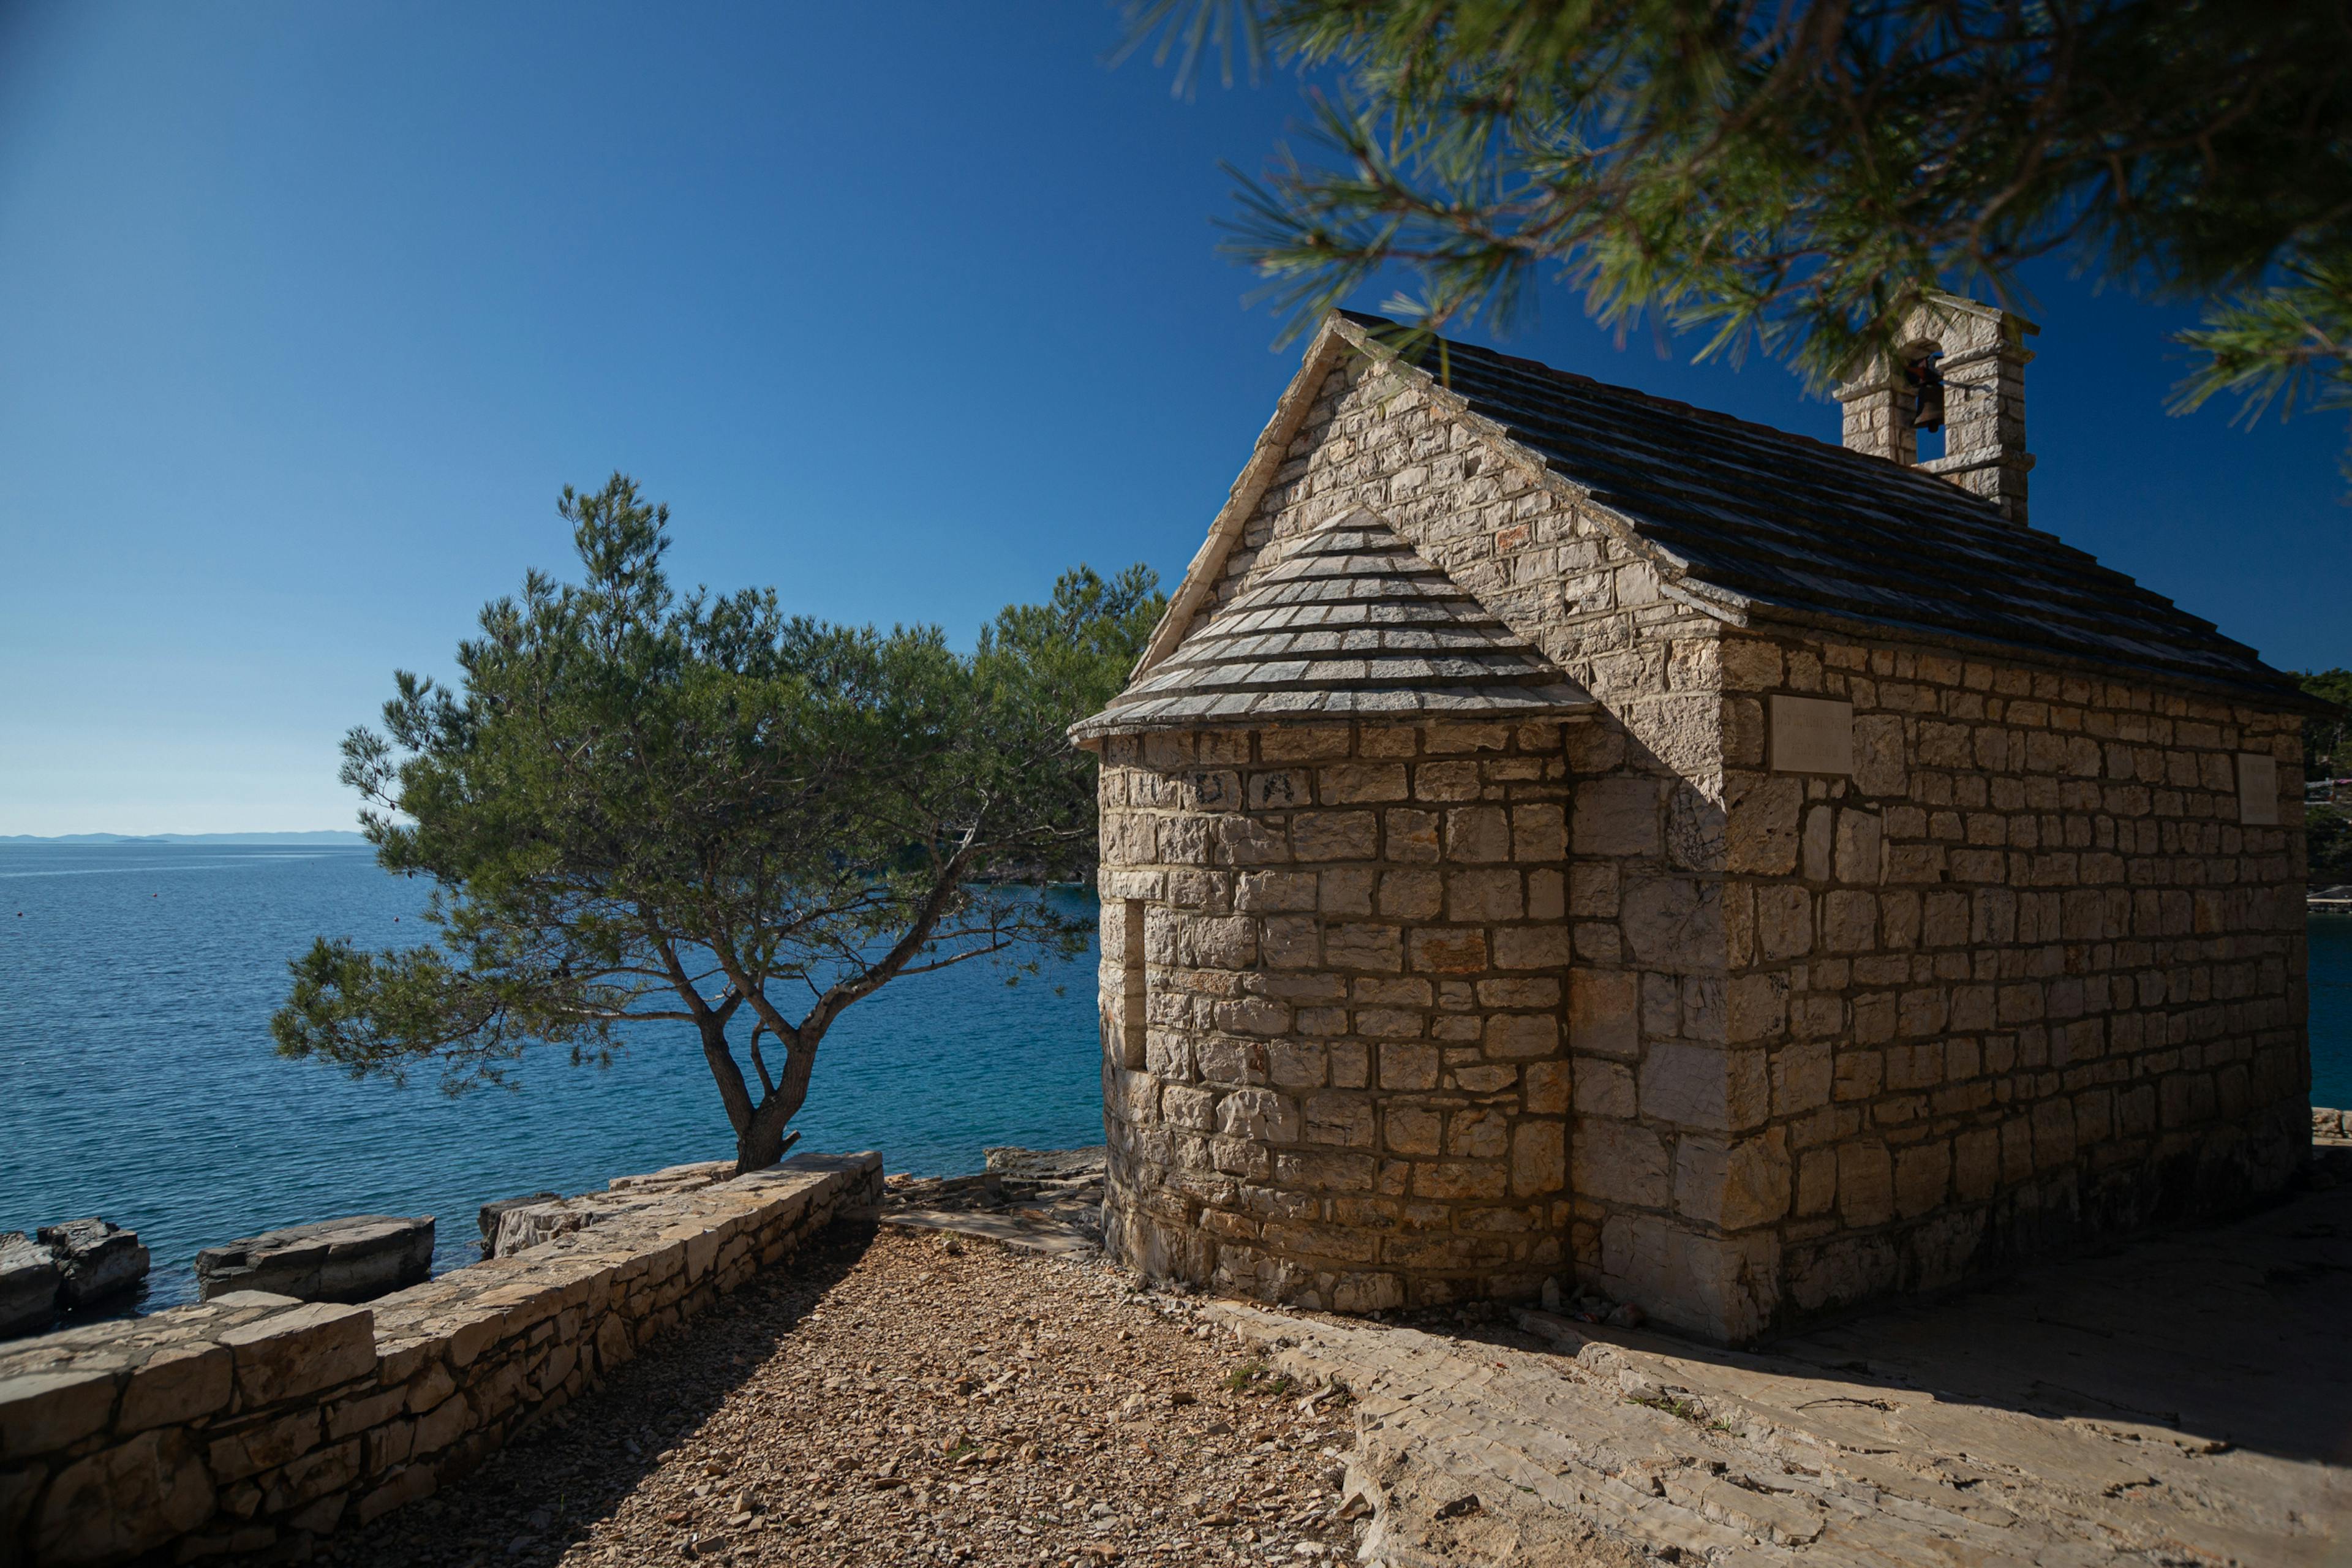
(321, 836)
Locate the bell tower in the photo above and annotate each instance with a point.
(1958, 368)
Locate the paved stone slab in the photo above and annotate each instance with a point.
(2182, 1402)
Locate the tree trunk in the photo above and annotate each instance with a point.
(762, 1143)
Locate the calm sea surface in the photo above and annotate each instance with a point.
(138, 1080)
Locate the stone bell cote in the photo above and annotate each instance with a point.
(1960, 370)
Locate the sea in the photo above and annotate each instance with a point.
(138, 1080)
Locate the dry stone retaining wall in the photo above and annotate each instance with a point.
(253, 1420)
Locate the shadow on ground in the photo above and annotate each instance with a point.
(571, 1469)
(2183, 1400)
(2236, 1334)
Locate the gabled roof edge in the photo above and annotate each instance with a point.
(1256, 478)
(1722, 603)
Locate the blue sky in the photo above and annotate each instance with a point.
(312, 310)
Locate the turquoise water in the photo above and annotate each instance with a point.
(137, 1078)
(2331, 1010)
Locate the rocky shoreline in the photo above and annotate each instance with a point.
(255, 1423)
(64, 1273)
(60, 1270)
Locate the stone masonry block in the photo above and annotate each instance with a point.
(1538, 1158)
(1522, 1036)
(125, 1500)
(1305, 744)
(1687, 1084)
(1374, 947)
(1448, 949)
(1531, 947)
(1604, 1012)
(1439, 781)
(1413, 1129)
(1334, 835)
(1617, 816)
(175, 1385)
(1761, 826)
(1619, 1162)
(1674, 924)
(1492, 897)
(1405, 1067)
(300, 1351)
(1413, 835)
(1538, 833)
(1545, 1088)
(1477, 835)
(1359, 784)
(1412, 895)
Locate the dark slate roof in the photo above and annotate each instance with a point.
(1352, 622)
(1784, 522)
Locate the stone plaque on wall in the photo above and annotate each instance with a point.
(2257, 790)
(1812, 735)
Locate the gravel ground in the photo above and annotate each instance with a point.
(892, 1398)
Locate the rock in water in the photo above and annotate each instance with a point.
(28, 1285)
(96, 1258)
(354, 1259)
(520, 1223)
(497, 1210)
(676, 1178)
(528, 1225)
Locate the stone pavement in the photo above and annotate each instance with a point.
(2183, 1402)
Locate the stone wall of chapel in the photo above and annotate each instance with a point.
(1647, 1003)
(1333, 1071)
(2023, 978)
(2067, 998)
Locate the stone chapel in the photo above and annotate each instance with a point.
(1562, 834)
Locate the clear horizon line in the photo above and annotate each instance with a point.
(225, 833)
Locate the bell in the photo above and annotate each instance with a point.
(1927, 394)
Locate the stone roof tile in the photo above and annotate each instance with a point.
(1352, 620)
